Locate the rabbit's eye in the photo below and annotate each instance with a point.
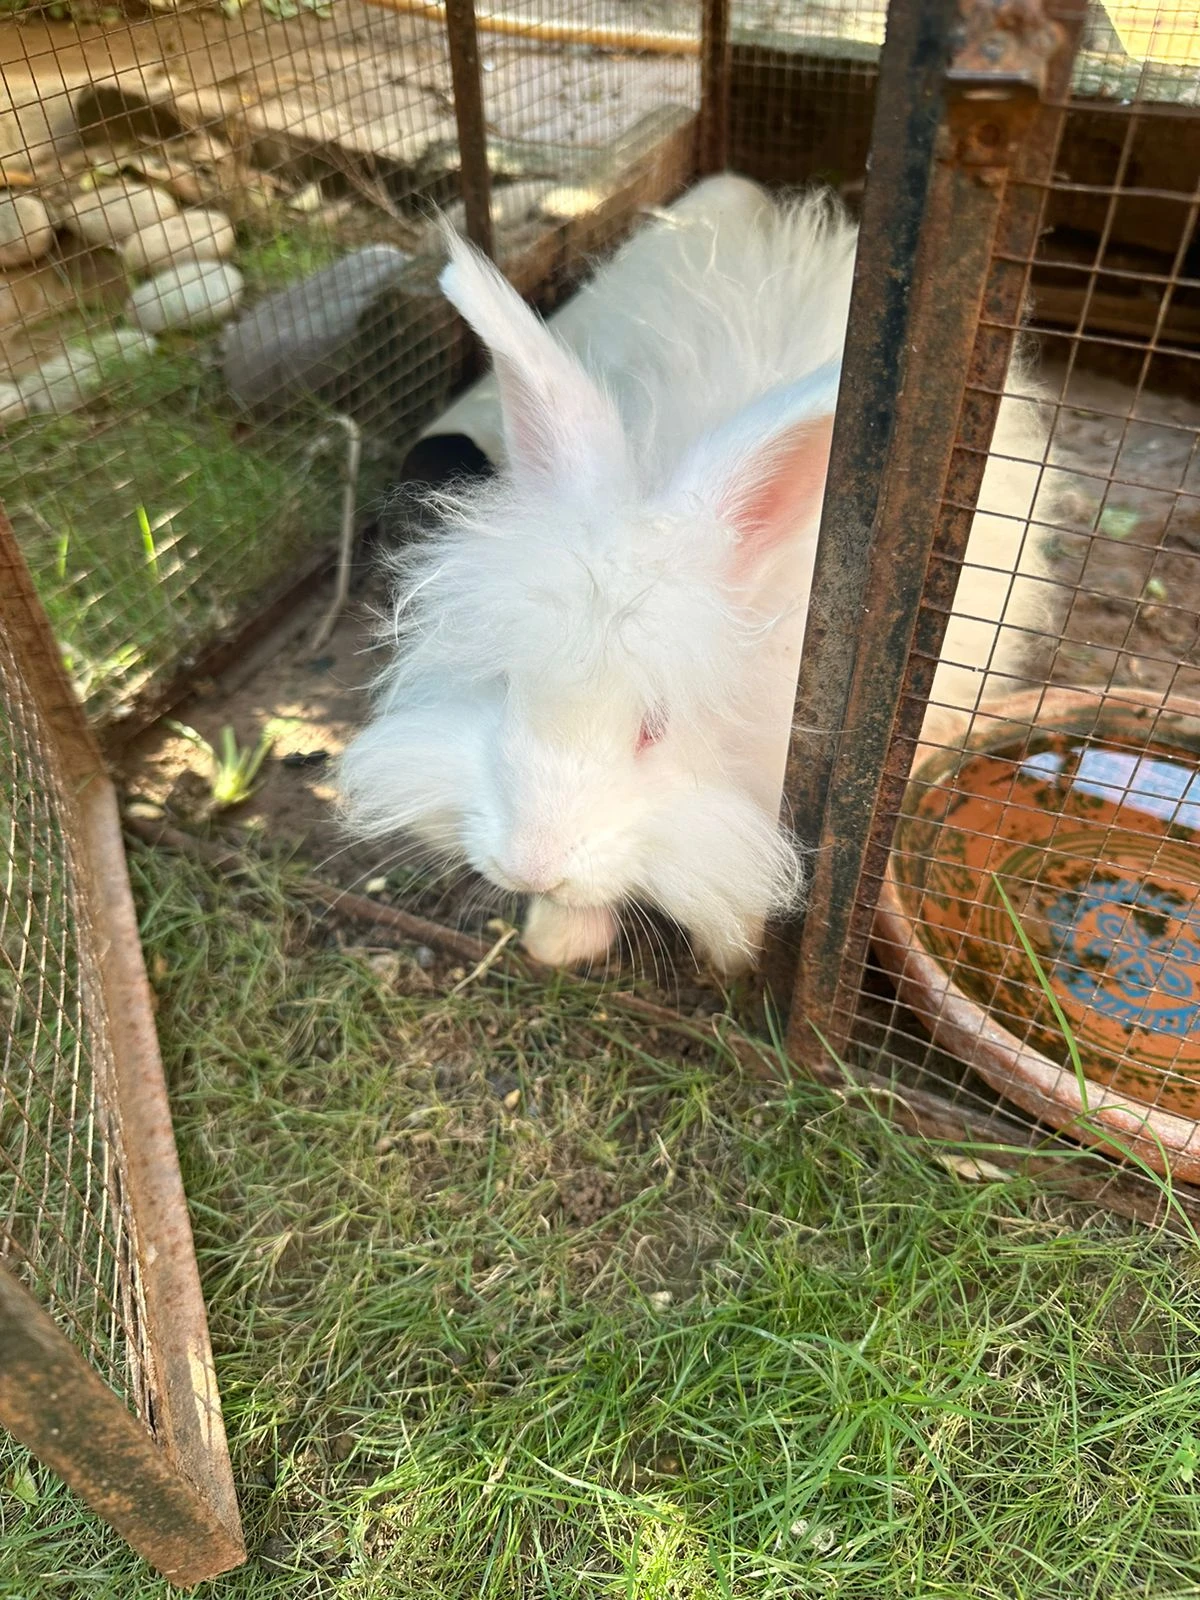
(654, 725)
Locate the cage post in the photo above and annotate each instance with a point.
(463, 41)
(716, 59)
(960, 99)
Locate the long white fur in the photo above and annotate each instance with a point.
(644, 562)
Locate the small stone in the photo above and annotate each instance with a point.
(70, 379)
(424, 957)
(111, 214)
(12, 404)
(197, 235)
(568, 200)
(309, 199)
(513, 204)
(144, 811)
(512, 1100)
(194, 295)
(375, 885)
(660, 1299)
(26, 232)
(385, 964)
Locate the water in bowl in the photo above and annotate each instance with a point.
(1098, 848)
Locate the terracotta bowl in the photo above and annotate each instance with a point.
(1088, 813)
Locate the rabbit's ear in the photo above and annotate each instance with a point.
(560, 428)
(764, 472)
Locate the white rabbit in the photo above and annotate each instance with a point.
(596, 655)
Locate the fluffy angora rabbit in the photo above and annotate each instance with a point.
(597, 653)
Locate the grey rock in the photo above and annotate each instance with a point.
(194, 295)
(12, 404)
(113, 213)
(305, 337)
(69, 380)
(26, 232)
(197, 235)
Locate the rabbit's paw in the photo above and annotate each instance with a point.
(561, 936)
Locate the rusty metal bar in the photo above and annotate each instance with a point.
(959, 95)
(193, 1527)
(716, 55)
(463, 42)
(52, 1401)
(188, 1424)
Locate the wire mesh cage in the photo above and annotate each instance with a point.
(1004, 913)
(105, 1367)
(218, 248)
(175, 466)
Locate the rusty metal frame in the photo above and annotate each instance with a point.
(169, 1492)
(466, 77)
(716, 59)
(969, 95)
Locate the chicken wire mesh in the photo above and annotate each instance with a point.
(100, 1316)
(65, 1222)
(218, 247)
(1037, 922)
(164, 494)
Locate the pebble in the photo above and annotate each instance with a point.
(515, 203)
(26, 232)
(111, 214)
(194, 295)
(12, 404)
(424, 957)
(197, 235)
(145, 811)
(70, 379)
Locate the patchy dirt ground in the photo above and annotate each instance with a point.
(1129, 546)
(310, 703)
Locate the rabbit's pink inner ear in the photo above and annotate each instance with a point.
(527, 426)
(560, 429)
(556, 425)
(778, 492)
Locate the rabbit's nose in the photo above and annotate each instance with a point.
(539, 882)
(528, 877)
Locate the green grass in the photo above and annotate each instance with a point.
(510, 1301)
(282, 257)
(149, 519)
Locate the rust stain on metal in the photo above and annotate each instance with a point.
(55, 1404)
(1002, 46)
